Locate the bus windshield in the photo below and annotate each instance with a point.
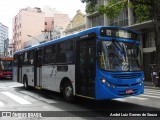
(6, 65)
(119, 56)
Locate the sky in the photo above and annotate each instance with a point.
(10, 8)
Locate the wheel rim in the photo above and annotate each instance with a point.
(68, 91)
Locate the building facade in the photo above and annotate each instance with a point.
(55, 23)
(4, 41)
(127, 19)
(32, 26)
(77, 24)
(27, 23)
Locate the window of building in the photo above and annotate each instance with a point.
(121, 20)
(45, 23)
(97, 21)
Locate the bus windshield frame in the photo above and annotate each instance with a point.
(119, 56)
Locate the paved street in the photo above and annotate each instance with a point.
(14, 98)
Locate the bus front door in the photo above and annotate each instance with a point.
(85, 67)
(38, 68)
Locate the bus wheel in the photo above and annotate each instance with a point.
(68, 92)
(25, 82)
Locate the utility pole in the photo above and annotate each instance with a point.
(50, 33)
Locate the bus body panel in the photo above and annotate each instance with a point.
(15, 72)
(29, 72)
(117, 84)
(70, 74)
(103, 92)
(51, 77)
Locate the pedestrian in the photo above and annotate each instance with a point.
(153, 74)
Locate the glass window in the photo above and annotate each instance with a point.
(119, 56)
(31, 58)
(25, 62)
(50, 54)
(65, 52)
(97, 21)
(15, 60)
(121, 20)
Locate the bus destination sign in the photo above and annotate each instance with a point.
(7, 58)
(118, 33)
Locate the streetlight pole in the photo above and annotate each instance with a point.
(33, 38)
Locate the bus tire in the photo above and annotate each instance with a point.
(68, 92)
(25, 82)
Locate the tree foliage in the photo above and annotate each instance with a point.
(143, 9)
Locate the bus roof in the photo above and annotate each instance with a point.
(87, 31)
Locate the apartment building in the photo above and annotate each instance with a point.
(127, 19)
(28, 22)
(3, 40)
(55, 22)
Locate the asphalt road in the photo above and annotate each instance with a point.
(33, 104)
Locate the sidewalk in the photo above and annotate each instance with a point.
(148, 84)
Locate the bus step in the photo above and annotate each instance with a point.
(38, 87)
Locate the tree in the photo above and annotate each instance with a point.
(143, 9)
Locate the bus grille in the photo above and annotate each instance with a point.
(123, 93)
(126, 76)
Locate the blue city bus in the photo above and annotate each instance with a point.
(99, 63)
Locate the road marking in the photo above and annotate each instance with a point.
(16, 98)
(152, 96)
(120, 99)
(151, 91)
(38, 97)
(137, 97)
(1, 104)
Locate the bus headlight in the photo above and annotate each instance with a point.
(108, 84)
(113, 86)
(103, 80)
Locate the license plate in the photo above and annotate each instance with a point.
(129, 91)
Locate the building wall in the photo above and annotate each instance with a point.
(77, 24)
(3, 39)
(49, 23)
(29, 21)
(61, 20)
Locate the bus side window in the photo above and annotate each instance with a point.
(65, 52)
(39, 58)
(20, 62)
(15, 60)
(25, 60)
(30, 58)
